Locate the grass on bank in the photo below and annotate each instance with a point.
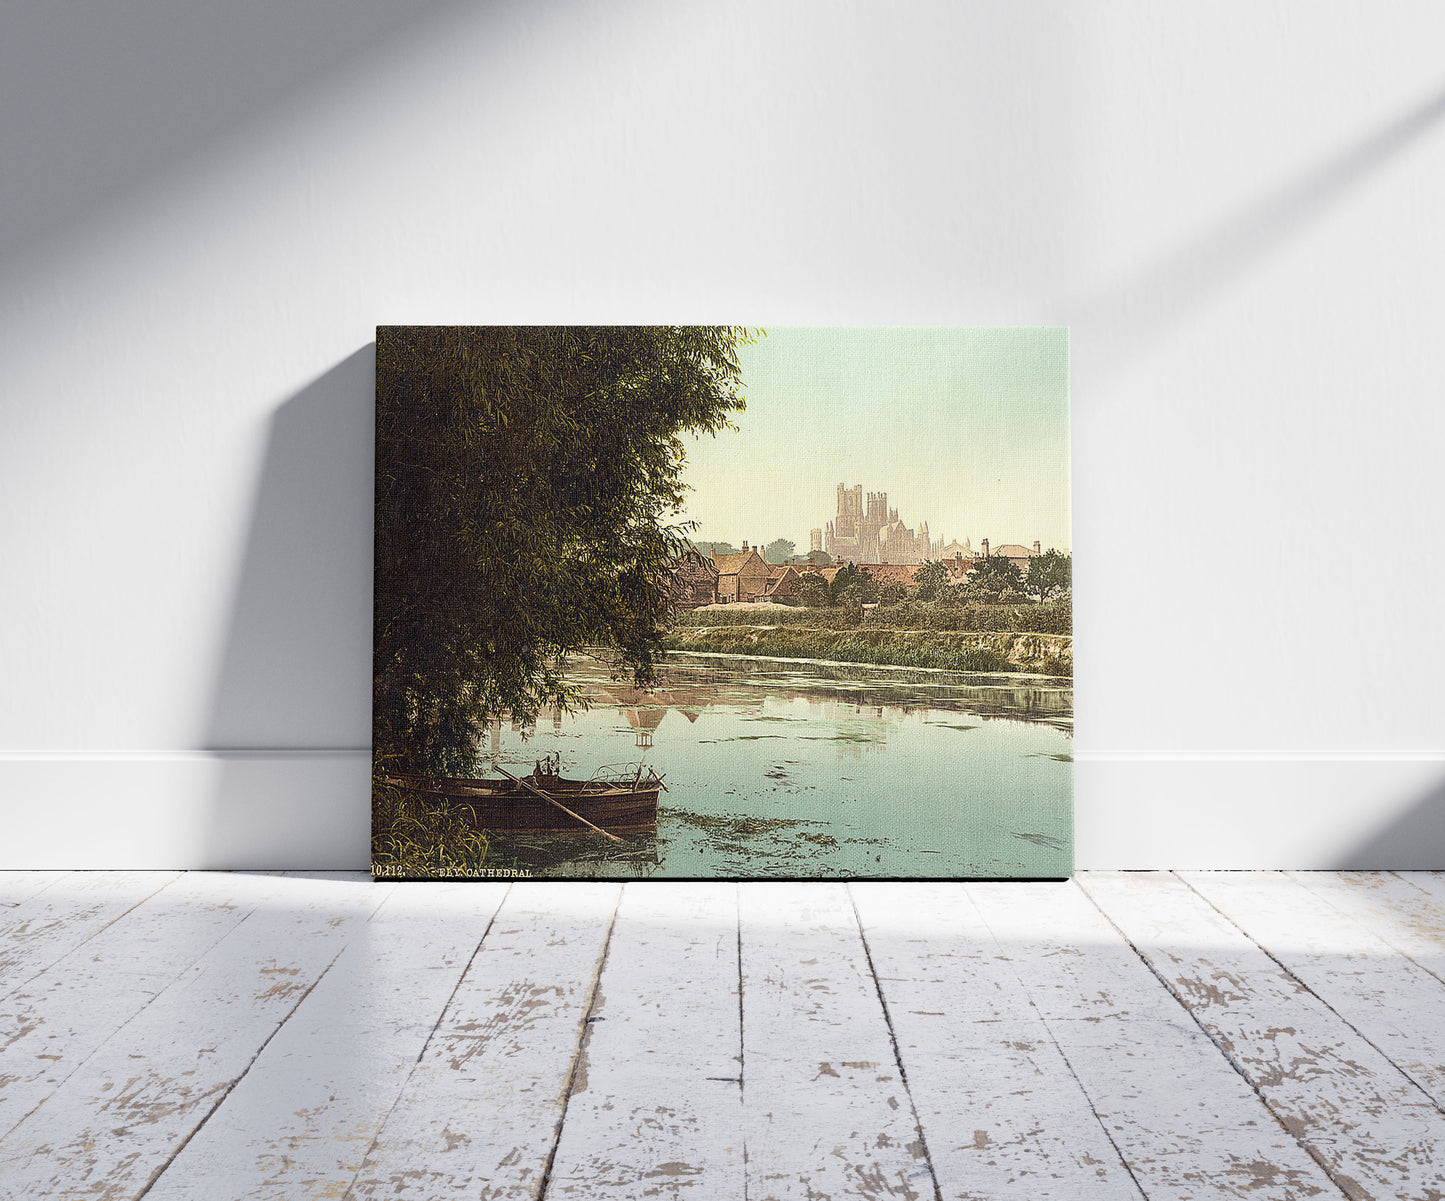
(951, 650)
(911, 615)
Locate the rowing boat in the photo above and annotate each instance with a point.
(545, 803)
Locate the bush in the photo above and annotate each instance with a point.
(813, 592)
(950, 650)
(827, 618)
(1051, 618)
(891, 592)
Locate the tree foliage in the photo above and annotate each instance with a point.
(892, 592)
(1049, 573)
(526, 478)
(931, 579)
(853, 586)
(813, 592)
(779, 550)
(997, 574)
(842, 578)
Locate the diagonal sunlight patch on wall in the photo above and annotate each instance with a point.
(1144, 305)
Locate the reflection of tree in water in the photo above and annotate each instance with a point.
(897, 688)
(862, 707)
(858, 727)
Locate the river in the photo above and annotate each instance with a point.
(792, 769)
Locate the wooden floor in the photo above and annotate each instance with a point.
(1190, 1035)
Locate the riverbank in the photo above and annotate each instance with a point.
(950, 650)
(1052, 618)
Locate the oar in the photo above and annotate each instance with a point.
(527, 784)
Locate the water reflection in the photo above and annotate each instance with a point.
(807, 770)
(645, 710)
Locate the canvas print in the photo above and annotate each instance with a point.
(716, 602)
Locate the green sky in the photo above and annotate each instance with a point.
(967, 429)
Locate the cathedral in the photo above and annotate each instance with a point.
(873, 534)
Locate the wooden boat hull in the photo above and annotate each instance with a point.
(505, 806)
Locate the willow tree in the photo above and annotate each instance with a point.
(527, 484)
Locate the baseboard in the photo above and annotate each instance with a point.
(1236, 811)
(309, 809)
(186, 809)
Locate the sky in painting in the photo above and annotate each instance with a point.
(965, 428)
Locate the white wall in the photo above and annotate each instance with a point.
(207, 206)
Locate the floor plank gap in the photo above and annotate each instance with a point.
(1304, 986)
(579, 1057)
(431, 1033)
(1130, 1036)
(1224, 1051)
(742, 1037)
(160, 1170)
(893, 1042)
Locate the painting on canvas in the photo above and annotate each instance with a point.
(719, 602)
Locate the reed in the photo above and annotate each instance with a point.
(416, 835)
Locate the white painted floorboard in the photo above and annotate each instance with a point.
(1186, 1125)
(656, 1103)
(826, 1112)
(1310, 1066)
(301, 1121)
(1001, 1112)
(1265, 1035)
(481, 1112)
(119, 1119)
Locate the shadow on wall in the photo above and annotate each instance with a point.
(290, 719)
(116, 97)
(1149, 304)
(1414, 842)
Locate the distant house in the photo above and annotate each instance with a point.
(1018, 555)
(694, 581)
(783, 582)
(897, 573)
(741, 577)
(959, 566)
(825, 574)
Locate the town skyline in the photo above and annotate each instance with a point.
(879, 533)
(966, 429)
